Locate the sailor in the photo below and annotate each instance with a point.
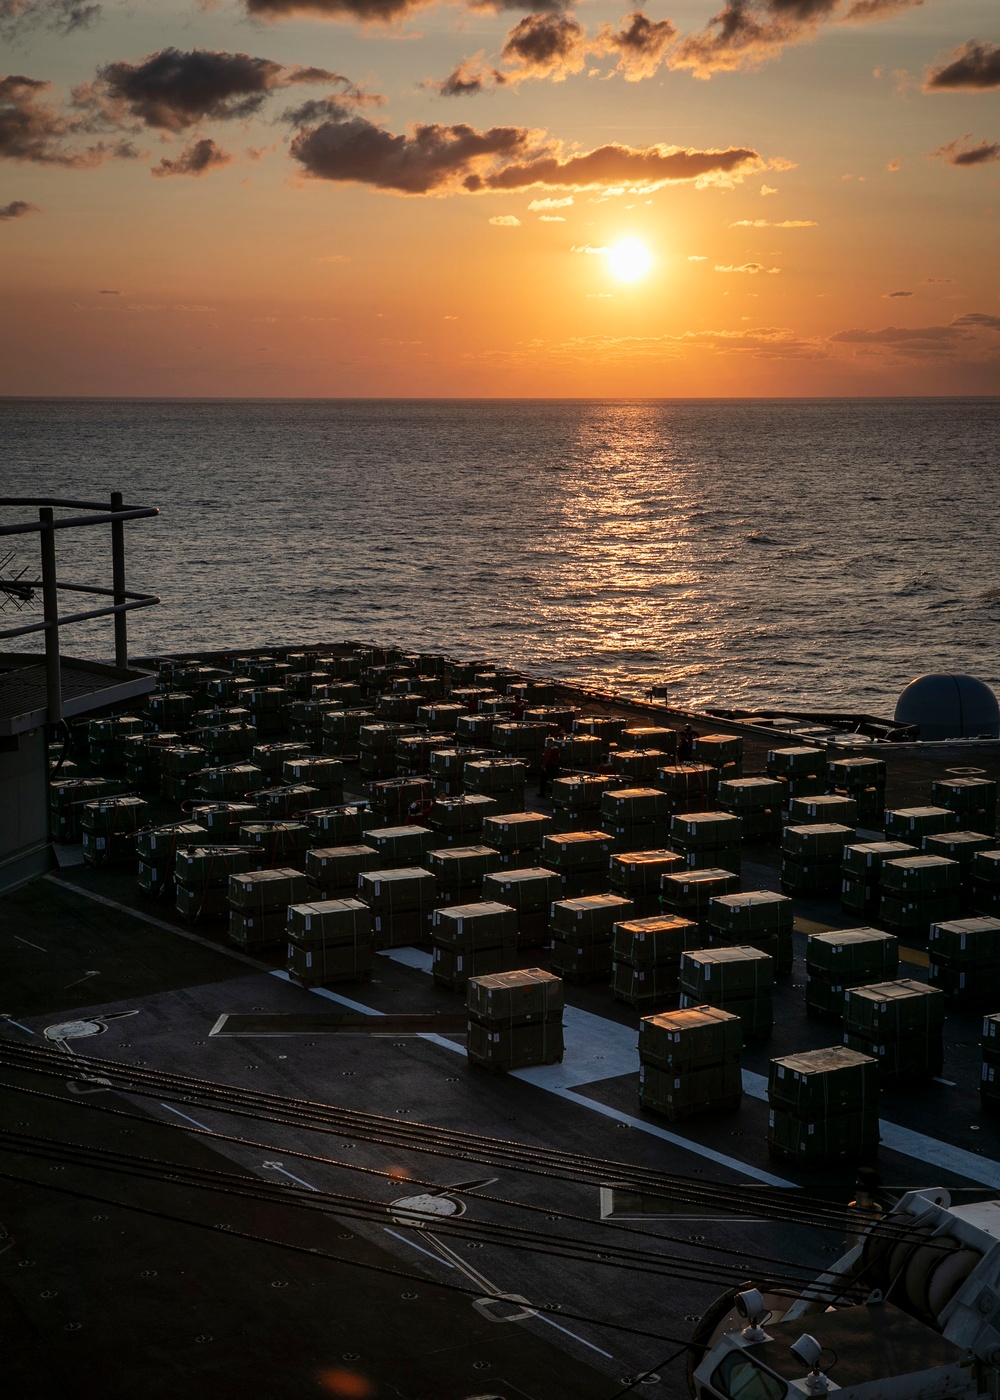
(551, 758)
(685, 744)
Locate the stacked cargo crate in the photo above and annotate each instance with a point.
(459, 871)
(861, 873)
(640, 766)
(332, 871)
(757, 803)
(989, 1082)
(964, 959)
(326, 774)
(739, 980)
(222, 820)
(811, 857)
(846, 958)
(502, 779)
(823, 1107)
(723, 752)
(961, 847)
(689, 1061)
(517, 837)
(342, 825)
(636, 818)
(690, 894)
(800, 770)
(646, 959)
(972, 799)
(914, 823)
(690, 787)
(397, 798)
(901, 1024)
(156, 847)
(144, 760)
(400, 845)
(270, 759)
(582, 752)
(446, 766)
(276, 843)
(472, 940)
(823, 809)
(531, 891)
(637, 875)
(258, 904)
(329, 941)
(377, 749)
(458, 821)
(201, 875)
(267, 705)
(342, 732)
(181, 765)
(918, 891)
(108, 829)
(67, 800)
(401, 901)
(577, 800)
(580, 859)
(986, 882)
(170, 710)
(231, 783)
(756, 918)
(521, 740)
(515, 1019)
(862, 779)
(413, 752)
(707, 840)
(582, 934)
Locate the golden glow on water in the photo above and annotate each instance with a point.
(628, 260)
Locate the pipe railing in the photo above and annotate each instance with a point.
(114, 513)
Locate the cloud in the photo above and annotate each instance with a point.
(893, 165)
(506, 221)
(890, 295)
(697, 257)
(198, 158)
(615, 166)
(17, 209)
(641, 44)
(108, 292)
(939, 279)
(548, 203)
(973, 66)
(959, 152)
(20, 17)
(367, 11)
(470, 77)
(922, 340)
(437, 159)
(551, 219)
(766, 223)
(753, 268)
(762, 342)
(32, 129)
(768, 189)
(545, 45)
(172, 91)
(746, 33)
(587, 248)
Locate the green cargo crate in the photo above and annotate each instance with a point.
(201, 902)
(257, 930)
(400, 845)
(712, 858)
(751, 911)
(970, 985)
(819, 1142)
(632, 806)
(864, 860)
(920, 875)
(743, 796)
(693, 892)
(697, 830)
(498, 1048)
(531, 889)
(959, 846)
(277, 843)
(646, 988)
(717, 975)
(591, 917)
(816, 879)
(844, 955)
(657, 941)
(405, 888)
(694, 785)
(267, 891)
(817, 1083)
(474, 925)
(336, 867)
(515, 998)
(683, 1094)
(825, 998)
(577, 850)
(795, 761)
(690, 1039)
(824, 808)
(913, 1057)
(580, 962)
(912, 915)
(973, 942)
(517, 831)
(893, 1010)
(639, 871)
(913, 823)
(452, 966)
(205, 867)
(816, 843)
(489, 776)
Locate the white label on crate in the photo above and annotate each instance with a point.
(291, 950)
(781, 1071)
(99, 843)
(378, 886)
(812, 1129)
(458, 963)
(308, 922)
(677, 1083)
(458, 925)
(309, 959)
(378, 923)
(708, 972)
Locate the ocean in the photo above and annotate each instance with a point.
(792, 553)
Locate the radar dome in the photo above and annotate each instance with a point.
(947, 706)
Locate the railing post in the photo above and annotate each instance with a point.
(118, 581)
(50, 605)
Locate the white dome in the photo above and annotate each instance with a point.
(950, 706)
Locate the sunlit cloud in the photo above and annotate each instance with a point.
(972, 67)
(766, 223)
(548, 203)
(753, 268)
(505, 221)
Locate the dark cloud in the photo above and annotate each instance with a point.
(978, 320)
(959, 152)
(973, 66)
(380, 11)
(746, 33)
(890, 295)
(171, 90)
(17, 209)
(20, 17)
(196, 159)
(33, 129)
(470, 77)
(923, 340)
(432, 159)
(108, 292)
(545, 46)
(641, 44)
(614, 166)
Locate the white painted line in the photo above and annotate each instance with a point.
(277, 1167)
(170, 1109)
(409, 957)
(330, 996)
(542, 1317)
(430, 1254)
(30, 944)
(27, 1029)
(948, 1083)
(155, 923)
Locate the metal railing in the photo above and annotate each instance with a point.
(114, 513)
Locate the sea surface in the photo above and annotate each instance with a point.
(793, 553)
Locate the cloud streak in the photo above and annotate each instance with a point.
(196, 159)
(33, 130)
(19, 18)
(17, 209)
(960, 153)
(972, 67)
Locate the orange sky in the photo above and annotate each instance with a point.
(394, 197)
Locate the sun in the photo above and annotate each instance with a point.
(629, 260)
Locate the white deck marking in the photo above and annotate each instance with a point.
(30, 944)
(430, 1253)
(170, 1109)
(541, 1317)
(11, 1022)
(948, 1083)
(277, 1167)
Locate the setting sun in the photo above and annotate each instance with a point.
(629, 260)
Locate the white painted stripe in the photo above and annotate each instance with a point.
(274, 1167)
(330, 996)
(26, 1029)
(541, 1317)
(170, 1109)
(430, 1254)
(30, 944)
(948, 1083)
